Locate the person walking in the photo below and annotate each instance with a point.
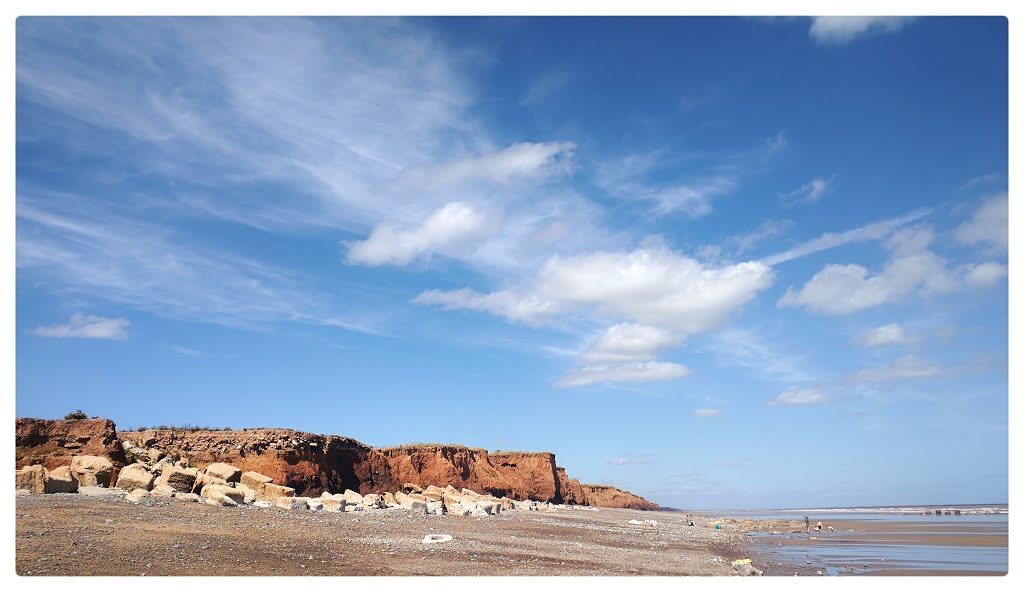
(807, 524)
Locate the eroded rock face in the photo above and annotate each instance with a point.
(53, 442)
(570, 489)
(606, 496)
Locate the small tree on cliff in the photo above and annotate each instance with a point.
(76, 415)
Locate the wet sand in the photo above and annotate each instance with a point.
(954, 546)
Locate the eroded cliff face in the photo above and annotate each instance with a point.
(313, 463)
(606, 496)
(309, 463)
(52, 442)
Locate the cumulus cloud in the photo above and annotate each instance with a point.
(652, 285)
(87, 327)
(985, 274)
(910, 269)
(837, 30)
(707, 412)
(620, 373)
(808, 193)
(989, 224)
(454, 224)
(891, 334)
(799, 396)
(626, 342)
(904, 368)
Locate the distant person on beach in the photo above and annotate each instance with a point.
(807, 524)
(818, 527)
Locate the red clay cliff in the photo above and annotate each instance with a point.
(313, 463)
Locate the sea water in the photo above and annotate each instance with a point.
(888, 540)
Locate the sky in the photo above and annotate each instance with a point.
(717, 262)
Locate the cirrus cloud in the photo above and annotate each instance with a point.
(87, 327)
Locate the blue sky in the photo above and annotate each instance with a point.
(718, 262)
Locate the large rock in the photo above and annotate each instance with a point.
(268, 492)
(179, 479)
(224, 471)
(32, 478)
(435, 507)
(253, 480)
(316, 505)
(137, 495)
(352, 497)
(61, 480)
(97, 491)
(372, 500)
(433, 493)
(219, 492)
(165, 490)
(744, 567)
(333, 504)
(185, 497)
(134, 477)
(409, 502)
(248, 493)
(490, 507)
(92, 470)
(292, 503)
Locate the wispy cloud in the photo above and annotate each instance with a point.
(989, 224)
(903, 368)
(186, 351)
(839, 30)
(632, 458)
(830, 240)
(707, 412)
(891, 334)
(87, 327)
(637, 372)
(151, 268)
(986, 179)
(800, 396)
(808, 193)
(748, 349)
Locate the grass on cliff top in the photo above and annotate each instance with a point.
(430, 445)
(520, 453)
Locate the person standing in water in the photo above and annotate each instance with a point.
(807, 524)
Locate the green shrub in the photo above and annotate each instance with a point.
(76, 415)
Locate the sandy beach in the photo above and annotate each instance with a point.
(67, 534)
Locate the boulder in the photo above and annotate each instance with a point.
(134, 477)
(220, 492)
(178, 479)
(433, 493)
(389, 500)
(220, 500)
(333, 504)
(248, 494)
(268, 492)
(137, 495)
(224, 471)
(436, 538)
(411, 488)
(457, 510)
(203, 479)
(61, 480)
(165, 490)
(317, 505)
(181, 496)
(292, 503)
(263, 504)
(470, 493)
(154, 454)
(371, 499)
(351, 497)
(435, 507)
(97, 491)
(92, 470)
(32, 478)
(744, 567)
(490, 507)
(506, 503)
(350, 508)
(409, 502)
(253, 480)
(479, 513)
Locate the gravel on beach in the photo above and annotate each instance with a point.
(69, 534)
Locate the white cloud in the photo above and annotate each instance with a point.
(626, 342)
(652, 285)
(767, 357)
(143, 265)
(799, 396)
(707, 412)
(767, 229)
(451, 226)
(985, 274)
(87, 327)
(891, 334)
(989, 224)
(983, 180)
(619, 373)
(837, 30)
(911, 269)
(829, 240)
(525, 161)
(904, 368)
(808, 193)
